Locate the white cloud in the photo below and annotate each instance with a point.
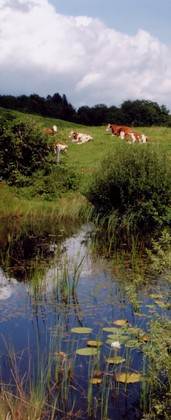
(46, 52)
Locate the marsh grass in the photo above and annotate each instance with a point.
(41, 392)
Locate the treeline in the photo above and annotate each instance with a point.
(135, 113)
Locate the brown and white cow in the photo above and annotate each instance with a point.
(127, 133)
(50, 131)
(135, 137)
(79, 138)
(118, 130)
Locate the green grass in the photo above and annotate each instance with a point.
(85, 158)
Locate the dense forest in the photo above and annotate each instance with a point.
(135, 113)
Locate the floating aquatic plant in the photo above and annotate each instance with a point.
(81, 330)
(121, 322)
(87, 351)
(95, 381)
(128, 377)
(94, 343)
(115, 360)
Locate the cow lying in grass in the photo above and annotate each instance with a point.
(126, 133)
(79, 138)
(116, 130)
(137, 138)
(50, 131)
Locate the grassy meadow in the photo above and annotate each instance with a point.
(86, 157)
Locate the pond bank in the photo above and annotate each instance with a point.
(75, 329)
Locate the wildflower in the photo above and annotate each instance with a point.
(116, 345)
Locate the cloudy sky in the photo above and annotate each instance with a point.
(94, 51)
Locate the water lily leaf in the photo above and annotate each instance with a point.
(128, 377)
(135, 331)
(139, 314)
(121, 322)
(111, 330)
(122, 338)
(87, 351)
(132, 343)
(115, 360)
(81, 330)
(95, 381)
(94, 343)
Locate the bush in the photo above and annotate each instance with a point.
(133, 187)
(26, 161)
(23, 149)
(50, 185)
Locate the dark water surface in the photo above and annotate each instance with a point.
(36, 319)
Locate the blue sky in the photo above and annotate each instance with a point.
(127, 16)
(94, 51)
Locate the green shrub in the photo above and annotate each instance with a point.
(23, 149)
(27, 161)
(48, 184)
(132, 187)
(51, 185)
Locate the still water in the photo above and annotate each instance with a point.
(78, 288)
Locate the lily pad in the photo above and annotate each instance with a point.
(81, 330)
(122, 338)
(139, 314)
(115, 360)
(121, 322)
(87, 351)
(95, 381)
(132, 343)
(94, 343)
(128, 377)
(111, 330)
(135, 331)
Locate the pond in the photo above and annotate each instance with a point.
(74, 329)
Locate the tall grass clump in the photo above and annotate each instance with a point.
(131, 191)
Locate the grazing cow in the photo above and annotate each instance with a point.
(58, 148)
(80, 138)
(50, 131)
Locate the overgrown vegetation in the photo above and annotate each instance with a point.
(27, 161)
(131, 191)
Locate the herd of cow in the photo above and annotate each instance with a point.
(121, 131)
